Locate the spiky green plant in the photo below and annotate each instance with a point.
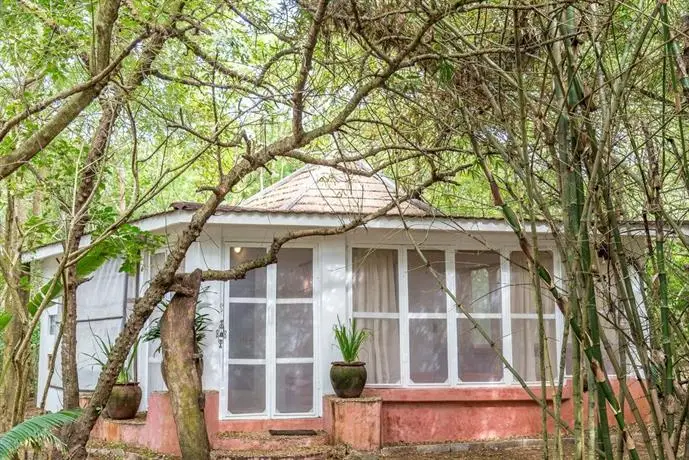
(36, 433)
(202, 324)
(349, 339)
(105, 346)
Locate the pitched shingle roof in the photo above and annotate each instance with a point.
(322, 189)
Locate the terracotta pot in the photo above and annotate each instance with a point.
(348, 379)
(124, 401)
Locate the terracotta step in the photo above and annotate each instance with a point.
(263, 440)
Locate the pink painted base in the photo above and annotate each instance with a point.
(475, 414)
(157, 431)
(355, 422)
(381, 417)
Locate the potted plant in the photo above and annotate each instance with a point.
(348, 377)
(126, 394)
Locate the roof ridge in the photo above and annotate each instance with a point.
(305, 190)
(285, 180)
(392, 186)
(352, 186)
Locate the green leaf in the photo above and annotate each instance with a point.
(446, 72)
(5, 319)
(36, 432)
(349, 339)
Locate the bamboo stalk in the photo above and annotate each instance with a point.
(598, 372)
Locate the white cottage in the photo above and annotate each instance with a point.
(270, 353)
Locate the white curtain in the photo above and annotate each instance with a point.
(525, 337)
(375, 290)
(478, 290)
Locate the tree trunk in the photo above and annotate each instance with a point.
(70, 374)
(181, 371)
(15, 373)
(88, 181)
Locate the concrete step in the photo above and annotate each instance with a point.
(301, 453)
(264, 441)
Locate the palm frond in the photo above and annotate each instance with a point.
(36, 433)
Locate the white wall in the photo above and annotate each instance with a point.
(331, 265)
(333, 303)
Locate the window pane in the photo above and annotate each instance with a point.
(478, 362)
(374, 280)
(425, 294)
(525, 348)
(247, 331)
(294, 388)
(522, 293)
(102, 295)
(428, 350)
(478, 281)
(381, 351)
(53, 324)
(247, 389)
(295, 273)
(254, 283)
(88, 348)
(294, 330)
(157, 261)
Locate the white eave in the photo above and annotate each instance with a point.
(175, 218)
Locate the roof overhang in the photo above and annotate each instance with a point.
(230, 215)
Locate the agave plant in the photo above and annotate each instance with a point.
(349, 339)
(36, 433)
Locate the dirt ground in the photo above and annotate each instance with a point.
(508, 454)
(505, 454)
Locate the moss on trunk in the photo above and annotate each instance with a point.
(182, 371)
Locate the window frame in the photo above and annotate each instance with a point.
(452, 315)
(271, 360)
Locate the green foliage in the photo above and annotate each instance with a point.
(4, 320)
(129, 242)
(349, 339)
(35, 433)
(105, 346)
(202, 324)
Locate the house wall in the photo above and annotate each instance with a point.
(331, 255)
(44, 270)
(408, 414)
(331, 262)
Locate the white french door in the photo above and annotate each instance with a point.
(269, 344)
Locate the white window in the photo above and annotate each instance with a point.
(428, 360)
(53, 324)
(270, 326)
(419, 337)
(524, 313)
(376, 308)
(154, 375)
(477, 276)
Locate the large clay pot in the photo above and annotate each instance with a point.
(124, 401)
(348, 379)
